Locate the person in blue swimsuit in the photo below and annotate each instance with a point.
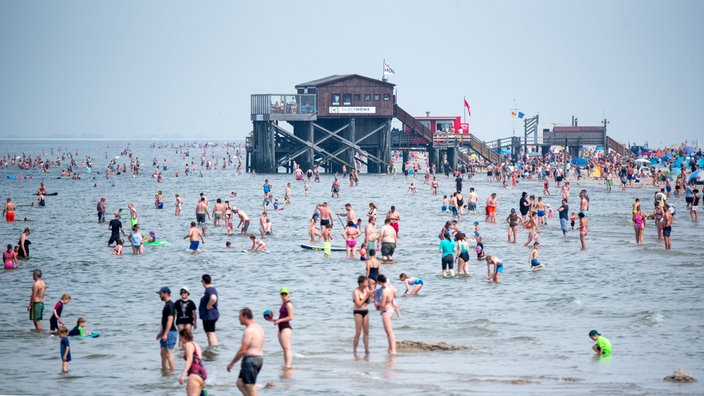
(414, 282)
(498, 265)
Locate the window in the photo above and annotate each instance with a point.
(335, 99)
(377, 97)
(357, 97)
(346, 99)
(387, 97)
(367, 97)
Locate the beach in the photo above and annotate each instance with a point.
(526, 335)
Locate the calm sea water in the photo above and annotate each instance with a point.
(528, 334)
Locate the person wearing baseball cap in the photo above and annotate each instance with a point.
(602, 346)
(115, 227)
(285, 329)
(167, 335)
(186, 312)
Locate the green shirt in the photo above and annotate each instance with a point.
(604, 345)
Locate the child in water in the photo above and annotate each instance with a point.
(118, 247)
(79, 329)
(416, 283)
(55, 321)
(479, 249)
(533, 258)
(65, 349)
(573, 217)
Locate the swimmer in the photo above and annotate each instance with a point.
(533, 258)
(414, 282)
(494, 274)
(118, 247)
(257, 244)
(194, 234)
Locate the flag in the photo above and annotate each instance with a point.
(387, 69)
(466, 104)
(513, 114)
(520, 115)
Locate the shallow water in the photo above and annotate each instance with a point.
(529, 334)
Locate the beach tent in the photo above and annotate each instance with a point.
(579, 161)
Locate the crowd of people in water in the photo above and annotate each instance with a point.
(672, 175)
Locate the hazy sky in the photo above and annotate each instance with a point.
(124, 69)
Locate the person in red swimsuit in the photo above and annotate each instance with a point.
(193, 369)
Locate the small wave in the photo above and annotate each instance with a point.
(649, 318)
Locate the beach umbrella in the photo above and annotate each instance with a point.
(642, 160)
(700, 162)
(666, 172)
(696, 177)
(654, 161)
(676, 171)
(579, 161)
(689, 149)
(666, 157)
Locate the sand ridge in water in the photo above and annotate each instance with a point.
(419, 346)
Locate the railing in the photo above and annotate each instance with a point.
(485, 151)
(267, 107)
(450, 139)
(409, 121)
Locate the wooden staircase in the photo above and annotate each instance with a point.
(415, 125)
(617, 147)
(483, 150)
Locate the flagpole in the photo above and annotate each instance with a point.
(383, 74)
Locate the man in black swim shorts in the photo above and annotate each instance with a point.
(251, 352)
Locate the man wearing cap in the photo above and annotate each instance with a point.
(115, 226)
(167, 335)
(602, 346)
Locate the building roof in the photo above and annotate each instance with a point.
(339, 77)
(578, 129)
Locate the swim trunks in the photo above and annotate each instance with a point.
(666, 231)
(10, 217)
(491, 209)
(500, 267)
(251, 365)
(245, 226)
(472, 206)
(326, 247)
(541, 213)
(534, 263)
(209, 326)
(194, 245)
(200, 217)
(324, 222)
(387, 248)
(37, 311)
(133, 222)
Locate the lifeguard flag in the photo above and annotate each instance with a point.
(466, 104)
(520, 115)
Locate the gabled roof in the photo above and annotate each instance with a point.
(339, 77)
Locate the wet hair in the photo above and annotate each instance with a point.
(37, 272)
(246, 313)
(381, 278)
(361, 279)
(186, 334)
(402, 276)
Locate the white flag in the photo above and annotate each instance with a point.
(387, 69)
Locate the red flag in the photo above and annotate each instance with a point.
(466, 104)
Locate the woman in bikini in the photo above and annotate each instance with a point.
(360, 298)
(193, 369)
